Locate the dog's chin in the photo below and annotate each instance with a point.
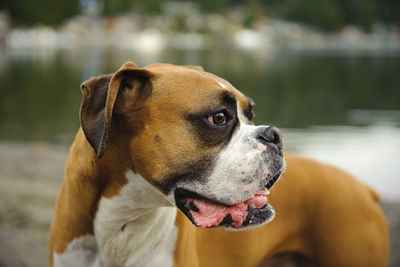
(207, 213)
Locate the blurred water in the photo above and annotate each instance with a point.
(371, 153)
(338, 108)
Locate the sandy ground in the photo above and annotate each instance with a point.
(30, 175)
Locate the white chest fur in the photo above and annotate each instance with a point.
(81, 252)
(134, 228)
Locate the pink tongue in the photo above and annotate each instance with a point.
(211, 214)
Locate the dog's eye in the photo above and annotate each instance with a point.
(217, 119)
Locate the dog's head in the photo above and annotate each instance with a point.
(190, 134)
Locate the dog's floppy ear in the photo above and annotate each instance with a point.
(99, 96)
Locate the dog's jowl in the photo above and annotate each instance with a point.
(168, 169)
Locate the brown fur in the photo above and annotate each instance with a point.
(322, 212)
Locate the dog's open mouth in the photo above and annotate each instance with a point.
(206, 213)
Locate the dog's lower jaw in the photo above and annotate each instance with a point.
(130, 232)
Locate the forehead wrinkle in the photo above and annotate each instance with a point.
(241, 100)
(221, 82)
(201, 90)
(228, 97)
(218, 98)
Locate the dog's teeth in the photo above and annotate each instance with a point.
(265, 191)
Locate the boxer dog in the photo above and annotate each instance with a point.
(168, 169)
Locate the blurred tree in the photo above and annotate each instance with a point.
(112, 7)
(48, 12)
(116, 6)
(252, 11)
(388, 11)
(358, 12)
(328, 15)
(215, 5)
(325, 14)
(334, 14)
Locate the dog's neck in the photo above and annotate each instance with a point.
(134, 226)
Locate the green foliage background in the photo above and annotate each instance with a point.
(48, 12)
(327, 15)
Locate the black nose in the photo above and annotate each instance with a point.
(270, 135)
